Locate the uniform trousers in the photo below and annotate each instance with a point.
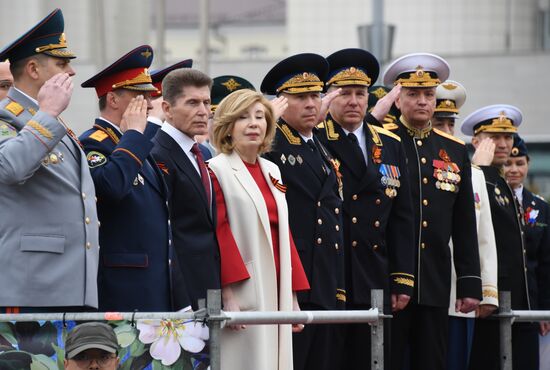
(544, 351)
(461, 335)
(422, 332)
(318, 346)
(486, 347)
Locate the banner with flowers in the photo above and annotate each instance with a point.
(146, 344)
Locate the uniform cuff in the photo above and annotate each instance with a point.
(468, 287)
(402, 283)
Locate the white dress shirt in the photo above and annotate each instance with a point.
(184, 141)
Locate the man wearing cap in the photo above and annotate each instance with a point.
(186, 105)
(536, 217)
(6, 79)
(492, 128)
(443, 207)
(450, 96)
(92, 345)
(137, 263)
(314, 199)
(48, 226)
(155, 118)
(378, 223)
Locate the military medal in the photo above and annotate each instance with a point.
(390, 179)
(446, 173)
(376, 154)
(291, 160)
(530, 216)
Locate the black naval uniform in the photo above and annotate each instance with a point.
(378, 226)
(443, 207)
(315, 220)
(512, 277)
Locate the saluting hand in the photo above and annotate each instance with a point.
(279, 105)
(135, 115)
(54, 96)
(325, 104)
(383, 105)
(485, 152)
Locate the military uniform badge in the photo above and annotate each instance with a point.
(530, 216)
(96, 159)
(376, 154)
(446, 173)
(291, 159)
(281, 187)
(390, 179)
(477, 200)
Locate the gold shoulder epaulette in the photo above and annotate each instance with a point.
(331, 131)
(14, 108)
(540, 197)
(390, 126)
(99, 135)
(450, 137)
(321, 125)
(384, 131)
(292, 139)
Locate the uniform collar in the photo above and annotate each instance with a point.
(115, 127)
(416, 132)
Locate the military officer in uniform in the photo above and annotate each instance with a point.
(136, 267)
(378, 223)
(376, 93)
(450, 96)
(48, 223)
(314, 199)
(156, 117)
(443, 207)
(492, 128)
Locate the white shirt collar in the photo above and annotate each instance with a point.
(27, 96)
(112, 124)
(306, 138)
(519, 193)
(358, 133)
(155, 120)
(184, 141)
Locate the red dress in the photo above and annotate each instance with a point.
(233, 268)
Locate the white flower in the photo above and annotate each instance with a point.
(168, 337)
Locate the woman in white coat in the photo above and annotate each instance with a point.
(261, 270)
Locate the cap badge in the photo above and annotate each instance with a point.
(419, 71)
(146, 54)
(231, 84)
(515, 151)
(449, 86)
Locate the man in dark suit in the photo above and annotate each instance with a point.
(443, 206)
(136, 257)
(492, 128)
(378, 220)
(314, 200)
(186, 105)
(155, 117)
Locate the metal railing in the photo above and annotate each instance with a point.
(211, 313)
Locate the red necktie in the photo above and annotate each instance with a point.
(204, 173)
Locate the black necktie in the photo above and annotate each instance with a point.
(311, 144)
(355, 145)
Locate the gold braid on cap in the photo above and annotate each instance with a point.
(142, 78)
(446, 105)
(304, 82)
(420, 78)
(499, 124)
(350, 76)
(62, 44)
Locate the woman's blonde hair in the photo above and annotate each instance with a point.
(230, 109)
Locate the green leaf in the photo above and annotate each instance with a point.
(43, 362)
(127, 365)
(137, 348)
(7, 332)
(126, 334)
(60, 353)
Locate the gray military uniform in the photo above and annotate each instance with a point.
(48, 223)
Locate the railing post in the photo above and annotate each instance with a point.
(213, 307)
(505, 326)
(377, 332)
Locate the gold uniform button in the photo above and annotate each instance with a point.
(354, 220)
(419, 143)
(425, 180)
(378, 201)
(354, 243)
(319, 221)
(318, 204)
(98, 224)
(524, 251)
(337, 210)
(525, 269)
(337, 227)
(423, 245)
(319, 240)
(336, 245)
(354, 197)
(83, 195)
(375, 247)
(425, 202)
(423, 160)
(88, 245)
(424, 223)
(87, 220)
(376, 223)
(95, 199)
